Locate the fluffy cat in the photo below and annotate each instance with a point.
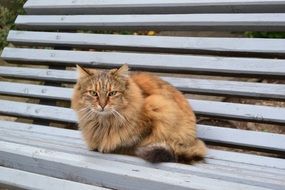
(136, 114)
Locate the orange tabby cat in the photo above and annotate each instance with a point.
(137, 114)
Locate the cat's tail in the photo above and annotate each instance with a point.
(159, 152)
(194, 153)
(162, 152)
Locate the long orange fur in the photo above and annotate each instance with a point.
(137, 114)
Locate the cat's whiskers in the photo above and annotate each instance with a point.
(90, 114)
(120, 115)
(124, 120)
(83, 109)
(87, 115)
(117, 117)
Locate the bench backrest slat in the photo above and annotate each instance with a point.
(152, 62)
(187, 85)
(163, 44)
(175, 22)
(246, 112)
(13, 178)
(152, 6)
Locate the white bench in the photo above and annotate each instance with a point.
(38, 156)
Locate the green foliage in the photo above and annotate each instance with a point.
(8, 12)
(265, 34)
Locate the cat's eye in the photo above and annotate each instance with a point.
(113, 93)
(93, 93)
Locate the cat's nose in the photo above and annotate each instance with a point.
(102, 108)
(102, 104)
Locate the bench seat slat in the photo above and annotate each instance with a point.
(170, 22)
(63, 144)
(56, 138)
(21, 179)
(245, 176)
(256, 113)
(248, 89)
(148, 43)
(152, 62)
(151, 6)
(208, 133)
(106, 173)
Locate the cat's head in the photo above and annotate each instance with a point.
(102, 92)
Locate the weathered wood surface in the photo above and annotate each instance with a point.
(169, 22)
(37, 111)
(62, 143)
(95, 171)
(55, 138)
(152, 6)
(25, 180)
(148, 43)
(152, 62)
(188, 85)
(239, 137)
(37, 91)
(265, 114)
(38, 74)
(60, 153)
(61, 140)
(256, 113)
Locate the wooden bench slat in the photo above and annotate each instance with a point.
(200, 86)
(148, 43)
(239, 111)
(60, 140)
(21, 179)
(247, 158)
(170, 22)
(38, 74)
(151, 6)
(245, 165)
(239, 137)
(225, 173)
(256, 113)
(245, 177)
(37, 111)
(208, 133)
(37, 91)
(105, 173)
(61, 144)
(152, 62)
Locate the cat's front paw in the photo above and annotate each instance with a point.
(103, 150)
(106, 149)
(92, 148)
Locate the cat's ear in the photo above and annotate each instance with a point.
(122, 71)
(82, 72)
